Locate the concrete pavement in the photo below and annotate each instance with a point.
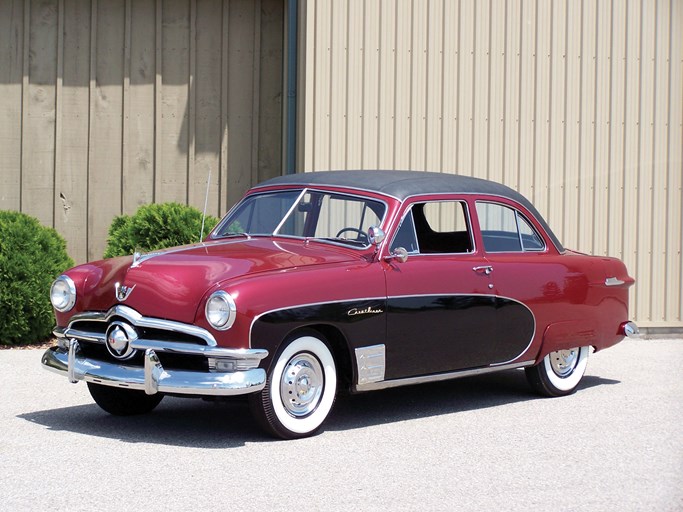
(480, 443)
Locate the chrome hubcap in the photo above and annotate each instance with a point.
(563, 362)
(301, 385)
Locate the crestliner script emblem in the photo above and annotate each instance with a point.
(122, 291)
(365, 311)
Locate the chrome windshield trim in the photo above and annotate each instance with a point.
(385, 384)
(134, 318)
(295, 204)
(304, 190)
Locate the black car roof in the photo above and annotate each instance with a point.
(404, 184)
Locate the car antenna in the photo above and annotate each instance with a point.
(206, 201)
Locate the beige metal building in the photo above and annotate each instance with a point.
(109, 104)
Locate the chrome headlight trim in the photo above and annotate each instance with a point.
(63, 294)
(220, 310)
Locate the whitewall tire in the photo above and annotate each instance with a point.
(300, 389)
(560, 372)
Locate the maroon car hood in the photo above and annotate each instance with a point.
(171, 283)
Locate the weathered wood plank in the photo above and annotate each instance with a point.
(11, 67)
(38, 157)
(240, 86)
(138, 178)
(270, 90)
(175, 50)
(71, 178)
(106, 123)
(207, 89)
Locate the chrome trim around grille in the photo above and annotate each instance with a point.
(152, 378)
(437, 377)
(134, 318)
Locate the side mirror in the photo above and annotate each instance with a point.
(375, 235)
(399, 254)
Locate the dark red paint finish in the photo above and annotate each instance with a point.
(565, 292)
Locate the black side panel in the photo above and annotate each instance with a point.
(433, 334)
(362, 322)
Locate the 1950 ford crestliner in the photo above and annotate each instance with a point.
(347, 279)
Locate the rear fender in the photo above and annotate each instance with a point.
(566, 335)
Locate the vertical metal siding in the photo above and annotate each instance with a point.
(106, 105)
(577, 104)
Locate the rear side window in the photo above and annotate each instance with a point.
(505, 229)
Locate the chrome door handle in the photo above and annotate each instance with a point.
(484, 269)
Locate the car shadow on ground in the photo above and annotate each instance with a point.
(228, 424)
(434, 399)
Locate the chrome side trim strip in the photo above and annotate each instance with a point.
(613, 281)
(437, 377)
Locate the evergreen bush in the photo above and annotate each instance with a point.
(156, 226)
(31, 257)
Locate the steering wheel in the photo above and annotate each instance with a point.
(362, 236)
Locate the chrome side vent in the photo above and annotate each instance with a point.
(371, 362)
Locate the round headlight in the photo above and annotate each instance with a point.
(221, 310)
(63, 294)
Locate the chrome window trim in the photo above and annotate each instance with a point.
(469, 226)
(519, 234)
(276, 234)
(289, 212)
(409, 211)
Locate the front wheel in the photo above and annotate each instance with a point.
(123, 402)
(560, 372)
(300, 389)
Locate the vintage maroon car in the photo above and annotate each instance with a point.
(355, 280)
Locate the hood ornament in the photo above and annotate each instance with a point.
(122, 291)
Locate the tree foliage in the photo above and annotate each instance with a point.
(156, 226)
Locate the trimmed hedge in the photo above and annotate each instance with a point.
(156, 226)
(31, 257)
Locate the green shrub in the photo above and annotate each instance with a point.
(31, 257)
(154, 227)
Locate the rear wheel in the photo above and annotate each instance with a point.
(300, 389)
(123, 402)
(560, 372)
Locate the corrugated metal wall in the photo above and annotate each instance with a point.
(106, 105)
(576, 104)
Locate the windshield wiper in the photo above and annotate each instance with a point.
(231, 235)
(342, 240)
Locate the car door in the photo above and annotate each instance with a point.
(441, 309)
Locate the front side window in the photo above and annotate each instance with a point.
(505, 229)
(437, 227)
(305, 214)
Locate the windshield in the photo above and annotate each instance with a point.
(304, 214)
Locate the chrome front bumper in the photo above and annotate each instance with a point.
(66, 359)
